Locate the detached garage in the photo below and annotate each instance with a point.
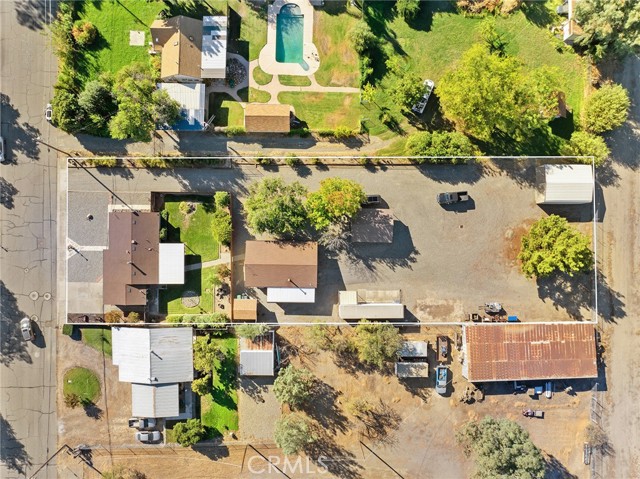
(564, 184)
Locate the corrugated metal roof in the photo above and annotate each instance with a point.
(371, 311)
(413, 349)
(257, 363)
(506, 352)
(214, 46)
(412, 370)
(153, 356)
(154, 400)
(567, 184)
(171, 258)
(191, 97)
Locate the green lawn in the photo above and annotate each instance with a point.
(200, 281)
(227, 111)
(261, 77)
(83, 382)
(97, 338)
(294, 80)
(193, 229)
(324, 110)
(338, 60)
(247, 28)
(219, 409)
(259, 96)
(114, 19)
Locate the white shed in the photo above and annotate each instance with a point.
(564, 184)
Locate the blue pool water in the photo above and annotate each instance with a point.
(289, 34)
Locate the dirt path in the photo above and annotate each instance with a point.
(622, 265)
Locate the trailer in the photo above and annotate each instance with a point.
(443, 349)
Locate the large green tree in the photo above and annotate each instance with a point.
(98, 104)
(361, 37)
(501, 449)
(205, 353)
(607, 108)
(586, 145)
(190, 432)
(408, 9)
(294, 386)
(407, 90)
(452, 145)
(275, 207)
(293, 433)
(336, 201)
(609, 27)
(551, 245)
(488, 92)
(377, 344)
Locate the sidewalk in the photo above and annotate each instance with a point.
(225, 258)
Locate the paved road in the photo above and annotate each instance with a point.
(622, 260)
(27, 258)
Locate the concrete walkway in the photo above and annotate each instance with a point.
(225, 258)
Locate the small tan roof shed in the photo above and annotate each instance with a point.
(266, 118)
(245, 309)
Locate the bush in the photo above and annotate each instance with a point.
(222, 272)
(293, 433)
(252, 330)
(123, 472)
(377, 344)
(72, 400)
(67, 329)
(362, 38)
(302, 132)
(84, 32)
(221, 199)
(583, 144)
(133, 317)
(163, 234)
(235, 130)
(190, 432)
(201, 386)
(113, 316)
(164, 214)
(106, 162)
(294, 386)
(607, 108)
(221, 227)
(264, 161)
(451, 145)
(185, 207)
(292, 160)
(343, 132)
(214, 321)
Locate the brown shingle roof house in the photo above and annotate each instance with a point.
(275, 264)
(266, 118)
(179, 39)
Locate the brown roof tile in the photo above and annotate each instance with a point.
(180, 41)
(266, 118)
(276, 264)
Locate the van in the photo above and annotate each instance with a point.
(548, 389)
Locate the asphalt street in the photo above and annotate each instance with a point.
(28, 421)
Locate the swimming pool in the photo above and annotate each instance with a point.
(289, 34)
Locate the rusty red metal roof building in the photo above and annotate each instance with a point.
(517, 352)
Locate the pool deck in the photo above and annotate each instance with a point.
(267, 58)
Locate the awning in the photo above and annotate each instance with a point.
(291, 295)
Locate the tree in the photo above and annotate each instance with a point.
(452, 145)
(293, 433)
(166, 110)
(586, 144)
(72, 400)
(607, 108)
(368, 93)
(190, 432)
(377, 343)
(488, 92)
(221, 226)
(252, 330)
(553, 245)
(84, 32)
(336, 201)
(66, 113)
(221, 199)
(362, 38)
(98, 104)
(407, 90)
(408, 9)
(275, 207)
(321, 336)
(294, 386)
(609, 27)
(204, 354)
(494, 41)
(133, 121)
(502, 449)
(202, 385)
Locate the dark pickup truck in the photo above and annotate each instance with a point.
(450, 198)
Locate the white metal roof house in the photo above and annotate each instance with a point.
(214, 47)
(154, 361)
(258, 356)
(191, 97)
(412, 361)
(363, 304)
(564, 184)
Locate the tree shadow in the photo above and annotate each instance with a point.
(379, 422)
(32, 14)
(303, 171)
(193, 8)
(424, 19)
(212, 451)
(625, 144)
(323, 409)
(93, 411)
(12, 453)
(255, 388)
(7, 192)
(469, 172)
(338, 461)
(23, 136)
(538, 13)
(555, 469)
(12, 346)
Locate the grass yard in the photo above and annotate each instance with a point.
(338, 60)
(83, 382)
(114, 19)
(247, 28)
(201, 282)
(259, 96)
(98, 338)
(227, 111)
(219, 409)
(192, 229)
(324, 110)
(261, 77)
(294, 80)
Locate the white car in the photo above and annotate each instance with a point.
(2, 157)
(48, 112)
(27, 329)
(148, 436)
(419, 107)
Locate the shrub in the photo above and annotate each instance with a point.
(583, 144)
(133, 317)
(214, 321)
(293, 433)
(190, 432)
(450, 145)
(408, 9)
(123, 472)
(223, 271)
(221, 227)
(314, 161)
(163, 234)
(72, 400)
(164, 214)
(302, 132)
(607, 108)
(235, 130)
(294, 386)
(67, 329)
(343, 132)
(252, 330)
(185, 207)
(84, 32)
(113, 316)
(377, 344)
(105, 162)
(362, 38)
(201, 386)
(292, 160)
(222, 199)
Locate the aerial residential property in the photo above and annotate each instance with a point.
(308, 239)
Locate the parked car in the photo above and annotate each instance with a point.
(548, 389)
(519, 388)
(372, 200)
(48, 112)
(452, 197)
(2, 157)
(148, 436)
(142, 423)
(419, 107)
(442, 377)
(531, 413)
(27, 329)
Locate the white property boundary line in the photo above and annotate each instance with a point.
(595, 315)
